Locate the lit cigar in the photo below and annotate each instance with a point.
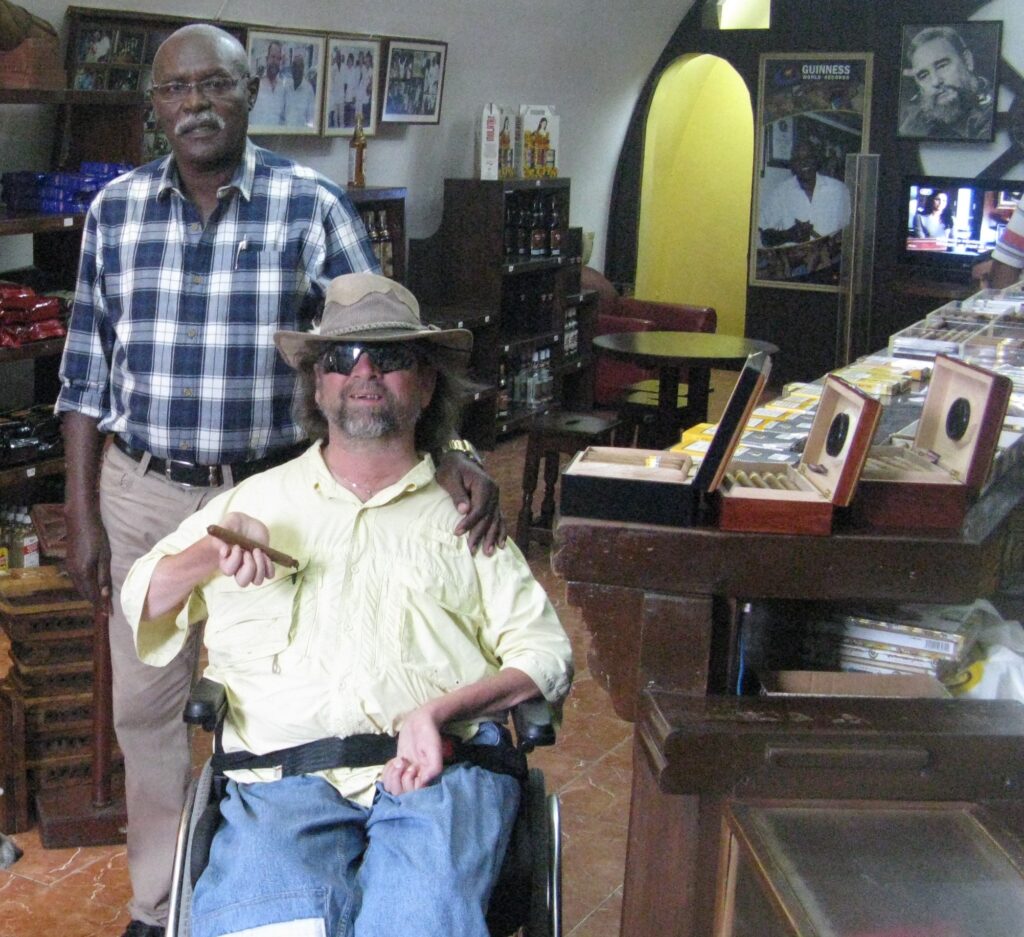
(229, 536)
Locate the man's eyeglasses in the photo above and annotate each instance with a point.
(216, 87)
(392, 356)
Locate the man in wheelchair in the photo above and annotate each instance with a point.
(372, 784)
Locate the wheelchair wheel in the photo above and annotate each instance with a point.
(545, 917)
(180, 901)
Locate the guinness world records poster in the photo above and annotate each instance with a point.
(813, 110)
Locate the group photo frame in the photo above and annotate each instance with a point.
(813, 111)
(414, 81)
(352, 85)
(290, 68)
(948, 81)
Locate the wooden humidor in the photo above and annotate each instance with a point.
(801, 499)
(933, 483)
(652, 486)
(620, 484)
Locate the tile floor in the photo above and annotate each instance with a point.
(84, 892)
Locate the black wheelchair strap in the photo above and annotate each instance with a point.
(364, 751)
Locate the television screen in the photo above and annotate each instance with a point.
(954, 223)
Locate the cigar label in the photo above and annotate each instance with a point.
(229, 536)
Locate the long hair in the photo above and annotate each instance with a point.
(438, 423)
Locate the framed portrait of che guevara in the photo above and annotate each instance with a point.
(813, 111)
(948, 81)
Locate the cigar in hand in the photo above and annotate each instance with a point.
(229, 536)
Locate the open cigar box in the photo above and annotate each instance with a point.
(619, 484)
(654, 486)
(801, 499)
(932, 483)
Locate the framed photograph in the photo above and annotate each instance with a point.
(949, 80)
(123, 79)
(95, 46)
(813, 111)
(129, 47)
(414, 81)
(352, 85)
(290, 69)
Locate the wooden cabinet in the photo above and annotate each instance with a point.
(521, 307)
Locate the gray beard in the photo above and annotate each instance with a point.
(383, 422)
(952, 113)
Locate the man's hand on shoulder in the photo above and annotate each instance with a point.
(476, 497)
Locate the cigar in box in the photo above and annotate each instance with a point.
(655, 486)
(932, 483)
(801, 499)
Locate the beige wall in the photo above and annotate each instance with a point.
(588, 58)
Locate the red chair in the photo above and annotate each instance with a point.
(632, 389)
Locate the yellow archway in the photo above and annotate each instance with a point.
(695, 194)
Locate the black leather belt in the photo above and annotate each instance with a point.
(195, 475)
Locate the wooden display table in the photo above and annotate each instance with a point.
(661, 605)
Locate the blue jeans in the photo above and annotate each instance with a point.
(421, 864)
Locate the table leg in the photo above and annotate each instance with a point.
(668, 395)
(699, 384)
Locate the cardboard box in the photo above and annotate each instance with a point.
(487, 145)
(832, 683)
(933, 483)
(33, 64)
(766, 496)
(537, 142)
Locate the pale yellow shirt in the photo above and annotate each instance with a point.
(388, 610)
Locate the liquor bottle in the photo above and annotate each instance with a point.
(525, 227)
(387, 246)
(357, 156)
(504, 388)
(554, 229)
(538, 230)
(511, 232)
(370, 223)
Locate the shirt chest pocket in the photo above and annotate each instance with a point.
(265, 257)
(256, 623)
(438, 609)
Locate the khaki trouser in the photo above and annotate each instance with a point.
(138, 509)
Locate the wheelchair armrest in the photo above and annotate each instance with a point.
(534, 720)
(207, 704)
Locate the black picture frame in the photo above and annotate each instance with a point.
(949, 81)
(414, 81)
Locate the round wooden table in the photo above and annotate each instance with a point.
(668, 353)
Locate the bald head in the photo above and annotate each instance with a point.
(201, 36)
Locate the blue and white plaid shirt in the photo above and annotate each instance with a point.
(170, 343)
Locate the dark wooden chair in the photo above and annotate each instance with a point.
(551, 436)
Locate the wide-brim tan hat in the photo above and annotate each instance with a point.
(366, 307)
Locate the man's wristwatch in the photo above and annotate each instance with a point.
(465, 447)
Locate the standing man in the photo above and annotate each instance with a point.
(299, 96)
(951, 102)
(268, 110)
(189, 265)
(1007, 264)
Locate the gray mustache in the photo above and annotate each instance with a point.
(188, 124)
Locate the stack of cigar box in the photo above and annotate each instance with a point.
(46, 697)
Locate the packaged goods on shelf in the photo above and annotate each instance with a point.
(488, 148)
(57, 192)
(537, 142)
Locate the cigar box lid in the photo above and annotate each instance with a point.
(840, 439)
(744, 397)
(962, 418)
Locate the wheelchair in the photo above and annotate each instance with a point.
(527, 898)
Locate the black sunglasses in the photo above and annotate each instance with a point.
(396, 356)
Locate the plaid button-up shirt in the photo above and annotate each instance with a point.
(170, 343)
